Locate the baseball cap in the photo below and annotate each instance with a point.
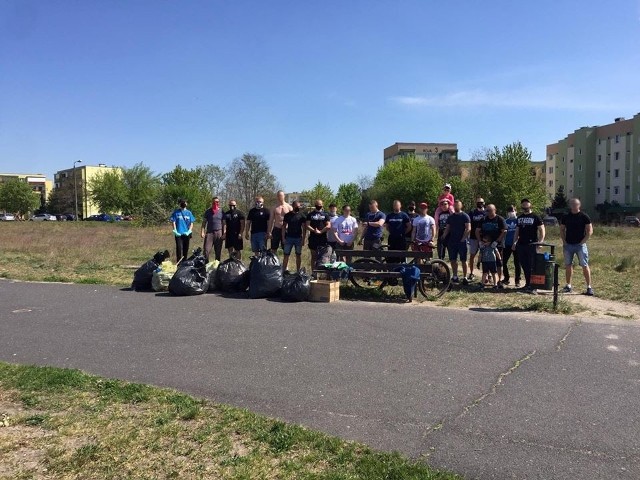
(424, 205)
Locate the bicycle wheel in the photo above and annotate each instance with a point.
(369, 281)
(435, 285)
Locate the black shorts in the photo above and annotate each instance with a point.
(489, 267)
(276, 238)
(316, 241)
(233, 241)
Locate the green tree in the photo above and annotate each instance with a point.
(247, 177)
(406, 179)
(215, 177)
(509, 178)
(18, 197)
(320, 191)
(108, 192)
(188, 184)
(61, 199)
(463, 190)
(143, 191)
(348, 194)
(560, 200)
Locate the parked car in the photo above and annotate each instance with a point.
(43, 217)
(550, 221)
(104, 217)
(632, 220)
(7, 217)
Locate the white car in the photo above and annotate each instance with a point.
(7, 217)
(43, 217)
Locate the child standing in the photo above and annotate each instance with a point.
(489, 256)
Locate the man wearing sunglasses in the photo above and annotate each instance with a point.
(317, 224)
(477, 217)
(232, 228)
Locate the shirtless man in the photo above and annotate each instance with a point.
(274, 230)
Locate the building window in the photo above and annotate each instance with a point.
(599, 158)
(580, 167)
(571, 176)
(562, 159)
(617, 138)
(579, 183)
(571, 161)
(598, 190)
(616, 190)
(579, 151)
(617, 157)
(598, 173)
(550, 169)
(551, 183)
(616, 173)
(626, 187)
(599, 141)
(638, 196)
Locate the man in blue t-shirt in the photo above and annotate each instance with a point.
(182, 221)
(398, 225)
(456, 234)
(373, 222)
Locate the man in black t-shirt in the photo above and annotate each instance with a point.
(293, 234)
(232, 228)
(530, 230)
(411, 211)
(318, 223)
(575, 230)
(476, 216)
(442, 225)
(495, 228)
(257, 223)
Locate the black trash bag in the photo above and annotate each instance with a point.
(191, 261)
(325, 252)
(192, 280)
(296, 287)
(265, 275)
(232, 276)
(143, 275)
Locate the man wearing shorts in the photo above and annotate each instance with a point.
(442, 225)
(317, 225)
(293, 234)
(372, 232)
(530, 230)
(424, 227)
(257, 223)
(276, 216)
(232, 228)
(456, 234)
(575, 231)
(494, 228)
(476, 216)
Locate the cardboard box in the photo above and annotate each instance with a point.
(324, 291)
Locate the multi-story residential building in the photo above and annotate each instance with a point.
(37, 181)
(597, 164)
(83, 175)
(431, 152)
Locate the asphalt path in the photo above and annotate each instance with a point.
(486, 394)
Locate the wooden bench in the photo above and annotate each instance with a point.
(379, 268)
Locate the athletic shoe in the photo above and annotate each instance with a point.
(471, 276)
(517, 284)
(505, 281)
(500, 285)
(566, 289)
(495, 287)
(465, 281)
(589, 292)
(455, 280)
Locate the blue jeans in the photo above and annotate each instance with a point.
(579, 249)
(258, 241)
(290, 242)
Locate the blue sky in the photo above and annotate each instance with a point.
(318, 88)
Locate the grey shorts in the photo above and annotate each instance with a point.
(474, 246)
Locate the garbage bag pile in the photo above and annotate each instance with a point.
(296, 287)
(212, 270)
(232, 276)
(265, 275)
(143, 276)
(191, 278)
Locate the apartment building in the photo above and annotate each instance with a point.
(597, 164)
(64, 180)
(430, 152)
(37, 181)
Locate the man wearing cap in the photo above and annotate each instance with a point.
(445, 195)
(441, 224)
(477, 216)
(424, 228)
(530, 230)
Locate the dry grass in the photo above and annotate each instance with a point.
(63, 424)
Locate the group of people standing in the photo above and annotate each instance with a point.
(480, 235)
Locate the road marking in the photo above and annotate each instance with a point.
(612, 348)
(612, 336)
(22, 310)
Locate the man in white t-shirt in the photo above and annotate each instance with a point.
(345, 229)
(424, 227)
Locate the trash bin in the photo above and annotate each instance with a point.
(542, 274)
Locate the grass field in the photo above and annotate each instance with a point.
(64, 424)
(95, 252)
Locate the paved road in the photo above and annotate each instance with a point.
(488, 395)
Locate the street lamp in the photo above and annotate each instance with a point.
(75, 189)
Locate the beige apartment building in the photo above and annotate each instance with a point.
(430, 152)
(37, 181)
(64, 180)
(597, 164)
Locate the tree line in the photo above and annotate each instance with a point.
(502, 176)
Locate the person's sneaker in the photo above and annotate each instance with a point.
(465, 281)
(589, 292)
(517, 284)
(505, 281)
(500, 285)
(495, 287)
(455, 280)
(471, 276)
(566, 289)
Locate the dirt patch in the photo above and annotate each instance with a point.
(603, 308)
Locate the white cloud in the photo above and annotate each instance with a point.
(534, 98)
